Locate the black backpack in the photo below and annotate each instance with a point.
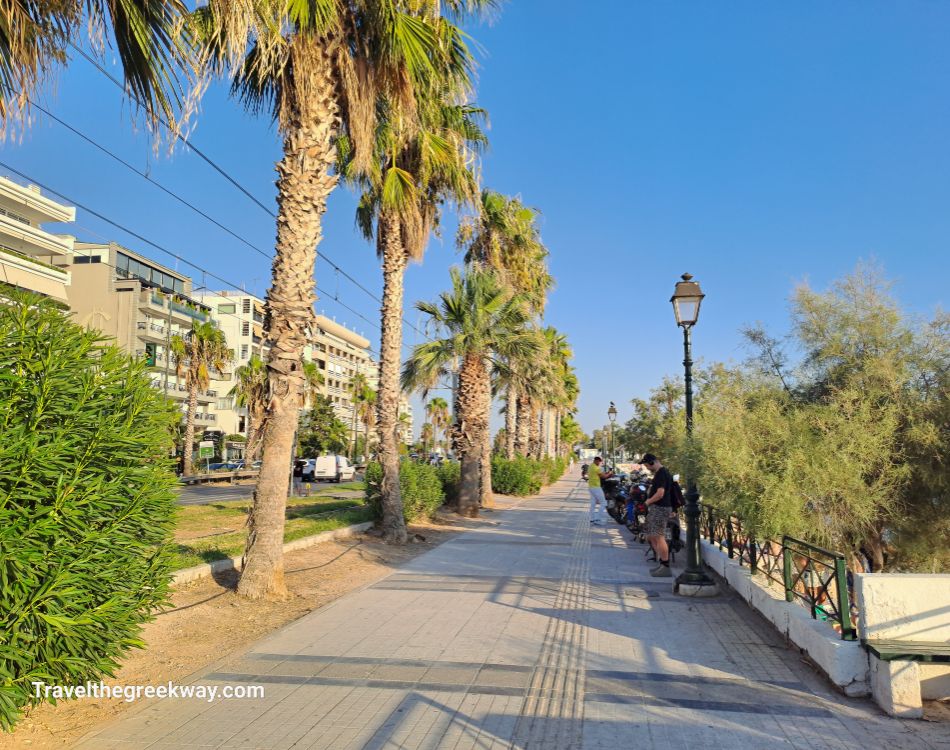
(677, 500)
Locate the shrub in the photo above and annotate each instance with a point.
(421, 487)
(519, 476)
(524, 476)
(449, 473)
(86, 507)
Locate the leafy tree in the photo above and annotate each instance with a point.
(845, 447)
(439, 414)
(86, 501)
(200, 351)
(321, 431)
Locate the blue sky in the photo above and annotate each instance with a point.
(755, 145)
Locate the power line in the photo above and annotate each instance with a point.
(178, 135)
(160, 248)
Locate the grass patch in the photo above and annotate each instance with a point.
(217, 530)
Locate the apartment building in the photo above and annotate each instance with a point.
(32, 258)
(240, 316)
(404, 431)
(340, 354)
(141, 304)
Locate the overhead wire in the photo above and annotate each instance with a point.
(132, 233)
(178, 135)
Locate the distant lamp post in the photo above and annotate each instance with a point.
(686, 299)
(612, 416)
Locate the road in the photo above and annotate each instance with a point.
(202, 494)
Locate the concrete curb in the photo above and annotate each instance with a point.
(845, 663)
(233, 563)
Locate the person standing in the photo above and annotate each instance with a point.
(598, 503)
(659, 509)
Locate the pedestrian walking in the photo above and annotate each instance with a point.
(659, 509)
(299, 465)
(598, 503)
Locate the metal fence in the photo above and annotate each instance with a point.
(815, 577)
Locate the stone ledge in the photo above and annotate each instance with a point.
(233, 563)
(845, 663)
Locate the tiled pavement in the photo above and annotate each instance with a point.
(538, 632)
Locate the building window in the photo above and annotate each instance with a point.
(245, 329)
(80, 259)
(243, 351)
(16, 217)
(245, 305)
(224, 404)
(227, 309)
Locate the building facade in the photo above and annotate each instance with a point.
(32, 258)
(142, 305)
(240, 316)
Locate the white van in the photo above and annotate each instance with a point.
(333, 469)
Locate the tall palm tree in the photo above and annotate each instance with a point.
(437, 412)
(150, 41)
(477, 320)
(421, 163)
(504, 235)
(318, 67)
(250, 392)
(356, 388)
(203, 349)
(427, 435)
(367, 412)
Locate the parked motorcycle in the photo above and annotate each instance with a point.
(635, 516)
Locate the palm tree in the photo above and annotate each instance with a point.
(504, 235)
(152, 45)
(421, 163)
(318, 67)
(312, 383)
(437, 411)
(357, 388)
(478, 320)
(367, 413)
(203, 349)
(427, 435)
(250, 392)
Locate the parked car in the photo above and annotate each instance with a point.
(332, 469)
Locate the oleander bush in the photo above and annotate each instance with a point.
(524, 476)
(422, 492)
(86, 506)
(449, 473)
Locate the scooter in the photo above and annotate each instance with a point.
(615, 493)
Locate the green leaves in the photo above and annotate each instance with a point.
(85, 501)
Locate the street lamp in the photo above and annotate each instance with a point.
(686, 299)
(612, 416)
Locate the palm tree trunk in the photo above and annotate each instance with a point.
(534, 431)
(308, 119)
(487, 498)
(523, 418)
(189, 446)
(511, 421)
(394, 267)
(474, 395)
(557, 433)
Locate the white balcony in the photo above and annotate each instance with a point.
(34, 275)
(32, 204)
(30, 240)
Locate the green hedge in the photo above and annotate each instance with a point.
(450, 473)
(86, 502)
(421, 486)
(524, 476)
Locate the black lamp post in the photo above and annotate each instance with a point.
(612, 416)
(686, 300)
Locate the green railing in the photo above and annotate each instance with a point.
(815, 577)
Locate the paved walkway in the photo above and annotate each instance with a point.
(538, 632)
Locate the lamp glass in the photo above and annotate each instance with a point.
(686, 309)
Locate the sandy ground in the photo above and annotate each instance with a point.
(207, 623)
